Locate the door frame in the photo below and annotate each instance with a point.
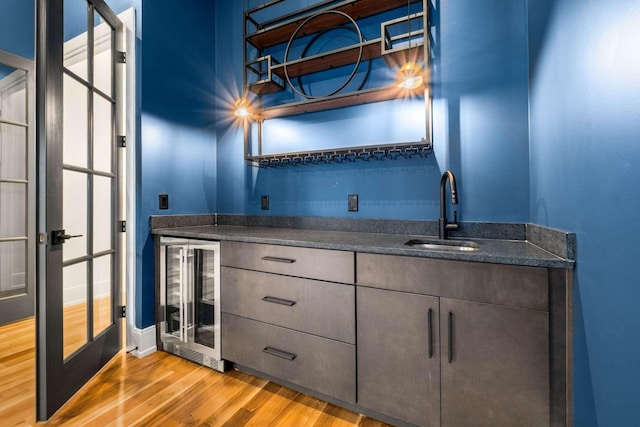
(26, 303)
(56, 379)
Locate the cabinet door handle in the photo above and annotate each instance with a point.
(430, 333)
(450, 337)
(280, 301)
(277, 259)
(279, 353)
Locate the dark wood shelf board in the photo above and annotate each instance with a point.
(337, 58)
(327, 61)
(264, 87)
(332, 59)
(385, 93)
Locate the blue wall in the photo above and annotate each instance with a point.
(17, 29)
(480, 130)
(177, 154)
(585, 169)
(577, 169)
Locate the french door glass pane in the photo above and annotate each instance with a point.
(102, 55)
(13, 210)
(102, 278)
(76, 37)
(102, 219)
(13, 95)
(13, 152)
(75, 123)
(13, 280)
(102, 134)
(74, 213)
(74, 298)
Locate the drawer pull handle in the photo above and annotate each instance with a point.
(276, 259)
(279, 353)
(280, 301)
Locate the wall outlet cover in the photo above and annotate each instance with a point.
(163, 201)
(264, 203)
(352, 202)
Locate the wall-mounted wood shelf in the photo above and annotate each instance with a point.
(371, 49)
(278, 31)
(337, 101)
(396, 31)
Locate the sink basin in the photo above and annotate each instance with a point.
(443, 245)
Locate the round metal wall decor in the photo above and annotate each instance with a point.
(301, 92)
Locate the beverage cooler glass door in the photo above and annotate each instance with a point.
(174, 280)
(204, 311)
(175, 294)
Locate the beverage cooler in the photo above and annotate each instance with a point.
(190, 300)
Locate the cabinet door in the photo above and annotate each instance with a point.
(399, 355)
(495, 365)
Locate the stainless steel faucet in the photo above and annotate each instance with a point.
(443, 224)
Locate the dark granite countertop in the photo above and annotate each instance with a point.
(515, 252)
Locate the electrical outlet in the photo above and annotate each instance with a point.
(163, 201)
(264, 203)
(352, 202)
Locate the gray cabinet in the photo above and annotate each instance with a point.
(321, 308)
(321, 264)
(495, 365)
(491, 352)
(313, 362)
(399, 355)
(289, 312)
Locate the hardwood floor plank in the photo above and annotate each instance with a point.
(159, 390)
(334, 416)
(277, 399)
(304, 410)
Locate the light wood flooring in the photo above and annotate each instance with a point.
(161, 390)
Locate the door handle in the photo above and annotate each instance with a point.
(430, 321)
(58, 237)
(450, 337)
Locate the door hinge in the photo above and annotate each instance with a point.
(122, 311)
(123, 226)
(121, 57)
(122, 141)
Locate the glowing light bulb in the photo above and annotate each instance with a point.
(410, 76)
(242, 108)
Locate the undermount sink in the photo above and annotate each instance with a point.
(443, 245)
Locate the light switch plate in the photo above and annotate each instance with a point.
(352, 202)
(163, 201)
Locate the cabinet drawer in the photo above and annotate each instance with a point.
(516, 286)
(320, 308)
(322, 264)
(316, 363)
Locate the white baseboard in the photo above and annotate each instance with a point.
(145, 341)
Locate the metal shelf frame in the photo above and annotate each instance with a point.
(263, 74)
